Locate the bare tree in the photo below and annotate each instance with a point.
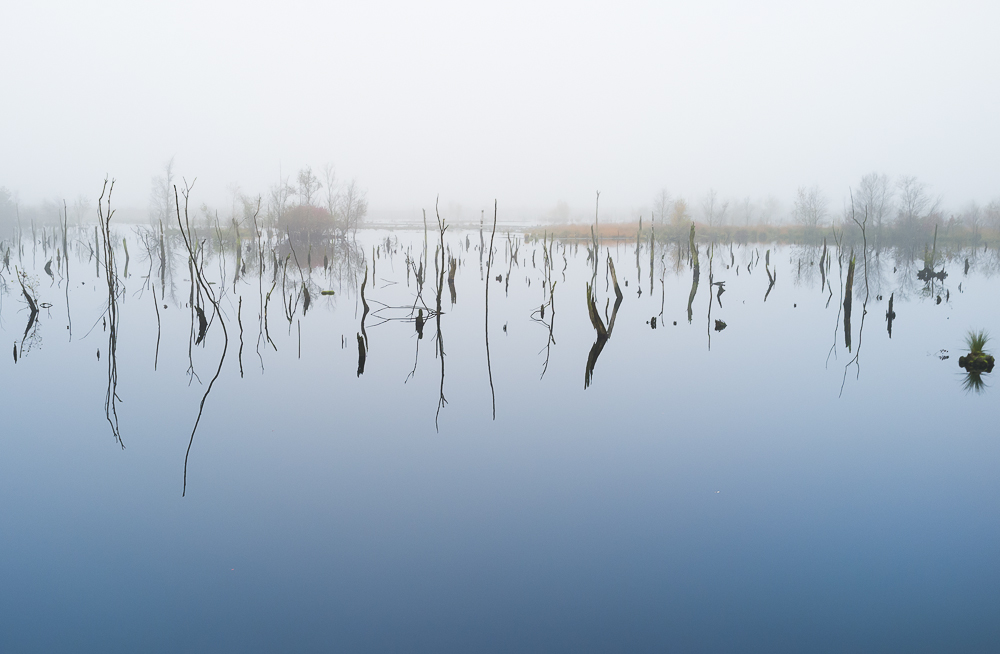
(679, 215)
(352, 208)
(161, 199)
(332, 191)
(81, 209)
(278, 198)
(993, 215)
(559, 214)
(236, 197)
(714, 209)
(874, 199)
(748, 211)
(913, 199)
(770, 210)
(974, 217)
(810, 206)
(308, 186)
(8, 207)
(662, 204)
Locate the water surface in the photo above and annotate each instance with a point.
(751, 489)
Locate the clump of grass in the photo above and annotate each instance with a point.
(978, 360)
(974, 383)
(976, 340)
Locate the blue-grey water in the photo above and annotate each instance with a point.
(743, 490)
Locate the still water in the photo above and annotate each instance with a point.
(750, 489)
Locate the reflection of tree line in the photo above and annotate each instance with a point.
(263, 256)
(296, 269)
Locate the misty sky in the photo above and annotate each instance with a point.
(530, 103)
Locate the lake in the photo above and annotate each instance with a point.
(678, 485)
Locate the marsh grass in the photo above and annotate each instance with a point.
(977, 340)
(973, 382)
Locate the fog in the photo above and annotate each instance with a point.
(532, 104)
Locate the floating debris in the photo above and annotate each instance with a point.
(926, 274)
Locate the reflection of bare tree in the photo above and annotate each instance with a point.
(452, 267)
(198, 276)
(104, 214)
(31, 337)
(875, 201)
(603, 333)
(721, 289)
(805, 257)
(363, 335)
(848, 302)
(489, 265)
(840, 304)
(904, 265)
(538, 316)
(890, 315)
(440, 288)
(65, 257)
(770, 278)
(347, 261)
(862, 224)
(696, 274)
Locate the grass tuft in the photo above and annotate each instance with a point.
(976, 340)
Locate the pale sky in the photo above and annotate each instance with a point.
(529, 103)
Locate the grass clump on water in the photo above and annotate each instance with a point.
(976, 341)
(978, 360)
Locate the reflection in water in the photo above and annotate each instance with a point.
(840, 303)
(198, 277)
(452, 266)
(973, 382)
(239, 321)
(721, 289)
(486, 310)
(823, 263)
(538, 316)
(104, 214)
(440, 288)
(711, 277)
(695, 275)
(862, 225)
(65, 260)
(977, 362)
(927, 273)
(272, 251)
(603, 333)
(362, 354)
(848, 301)
(364, 316)
(31, 329)
(652, 252)
(890, 315)
(770, 279)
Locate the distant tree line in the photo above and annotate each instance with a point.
(304, 205)
(896, 210)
